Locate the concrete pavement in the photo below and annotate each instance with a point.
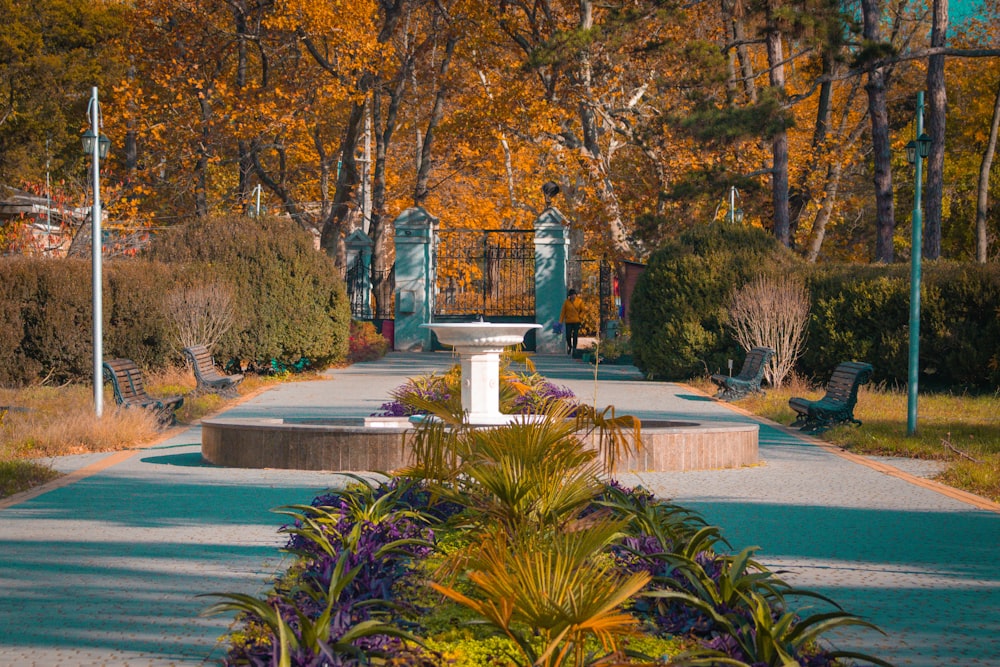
(106, 570)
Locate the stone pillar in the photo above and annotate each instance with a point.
(359, 256)
(415, 230)
(551, 255)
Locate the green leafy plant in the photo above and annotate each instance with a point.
(553, 584)
(304, 632)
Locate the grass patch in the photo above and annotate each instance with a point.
(18, 476)
(59, 421)
(954, 428)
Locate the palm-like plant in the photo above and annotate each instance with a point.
(552, 583)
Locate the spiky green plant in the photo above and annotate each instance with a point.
(305, 633)
(672, 525)
(553, 584)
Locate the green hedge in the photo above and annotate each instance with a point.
(291, 299)
(678, 311)
(863, 313)
(291, 303)
(47, 311)
(858, 312)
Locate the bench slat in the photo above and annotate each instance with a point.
(130, 391)
(748, 379)
(837, 405)
(205, 373)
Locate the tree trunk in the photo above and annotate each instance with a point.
(779, 143)
(345, 213)
(420, 190)
(831, 188)
(984, 183)
(381, 229)
(800, 195)
(885, 222)
(201, 164)
(937, 94)
(740, 69)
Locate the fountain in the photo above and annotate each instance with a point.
(479, 345)
(378, 443)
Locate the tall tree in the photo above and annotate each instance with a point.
(51, 54)
(885, 220)
(938, 108)
(982, 199)
(779, 141)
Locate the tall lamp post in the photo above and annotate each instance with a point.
(916, 151)
(96, 145)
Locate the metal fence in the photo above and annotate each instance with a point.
(370, 292)
(485, 272)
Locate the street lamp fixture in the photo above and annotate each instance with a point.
(735, 214)
(920, 146)
(103, 144)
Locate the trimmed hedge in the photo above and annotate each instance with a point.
(291, 299)
(47, 311)
(678, 308)
(858, 313)
(863, 313)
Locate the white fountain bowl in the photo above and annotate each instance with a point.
(481, 334)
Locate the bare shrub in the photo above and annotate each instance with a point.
(771, 312)
(201, 313)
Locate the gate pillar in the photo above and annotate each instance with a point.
(551, 254)
(414, 239)
(359, 284)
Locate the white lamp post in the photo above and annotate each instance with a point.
(735, 214)
(96, 145)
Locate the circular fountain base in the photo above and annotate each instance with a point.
(378, 444)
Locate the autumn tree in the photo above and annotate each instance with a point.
(51, 54)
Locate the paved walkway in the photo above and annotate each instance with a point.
(106, 569)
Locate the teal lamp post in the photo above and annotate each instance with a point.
(96, 145)
(916, 151)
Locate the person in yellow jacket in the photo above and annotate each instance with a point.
(571, 316)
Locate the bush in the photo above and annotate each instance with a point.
(771, 312)
(292, 303)
(366, 343)
(137, 326)
(17, 288)
(862, 313)
(46, 307)
(678, 309)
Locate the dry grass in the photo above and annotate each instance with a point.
(949, 428)
(58, 421)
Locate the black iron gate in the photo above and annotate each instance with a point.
(370, 292)
(488, 273)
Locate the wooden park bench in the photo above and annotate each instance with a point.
(130, 390)
(205, 373)
(732, 388)
(837, 406)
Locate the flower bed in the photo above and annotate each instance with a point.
(507, 546)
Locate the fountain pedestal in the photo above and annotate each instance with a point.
(479, 345)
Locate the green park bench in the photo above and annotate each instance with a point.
(130, 391)
(837, 406)
(207, 376)
(732, 388)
